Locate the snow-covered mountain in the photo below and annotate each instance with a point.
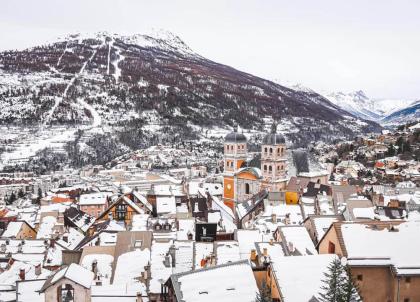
(149, 88)
(358, 104)
(410, 113)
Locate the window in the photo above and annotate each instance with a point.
(331, 248)
(65, 293)
(407, 279)
(265, 167)
(121, 211)
(278, 168)
(406, 299)
(265, 149)
(247, 190)
(359, 277)
(271, 150)
(138, 244)
(270, 168)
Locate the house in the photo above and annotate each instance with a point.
(122, 210)
(295, 240)
(19, 230)
(317, 225)
(94, 203)
(228, 282)
(380, 255)
(71, 283)
(73, 217)
(297, 278)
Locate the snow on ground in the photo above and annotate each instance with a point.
(117, 72)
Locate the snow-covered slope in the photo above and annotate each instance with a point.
(364, 107)
(406, 115)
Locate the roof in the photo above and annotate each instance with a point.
(235, 137)
(73, 272)
(253, 170)
(229, 282)
(274, 139)
(246, 207)
(13, 229)
(98, 198)
(300, 278)
(297, 241)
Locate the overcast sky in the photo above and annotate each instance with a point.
(372, 45)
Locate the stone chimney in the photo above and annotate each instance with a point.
(265, 251)
(253, 255)
(38, 269)
(52, 243)
(273, 218)
(22, 274)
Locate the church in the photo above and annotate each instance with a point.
(241, 182)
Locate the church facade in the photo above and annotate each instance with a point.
(241, 182)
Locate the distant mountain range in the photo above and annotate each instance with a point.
(386, 112)
(152, 87)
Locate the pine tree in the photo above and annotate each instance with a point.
(332, 290)
(339, 285)
(350, 293)
(265, 294)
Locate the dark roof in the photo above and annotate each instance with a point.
(274, 138)
(235, 137)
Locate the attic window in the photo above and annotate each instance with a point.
(138, 243)
(204, 293)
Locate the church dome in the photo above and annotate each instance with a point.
(274, 138)
(235, 137)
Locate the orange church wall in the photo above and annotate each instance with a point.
(228, 192)
(239, 163)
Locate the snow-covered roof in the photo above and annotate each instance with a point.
(94, 198)
(13, 229)
(300, 278)
(45, 230)
(398, 245)
(298, 240)
(73, 272)
(230, 282)
(127, 273)
(246, 240)
(227, 251)
(166, 205)
(103, 265)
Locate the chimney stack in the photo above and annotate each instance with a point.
(253, 255)
(22, 274)
(265, 251)
(38, 269)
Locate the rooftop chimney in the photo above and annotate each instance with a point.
(22, 274)
(38, 269)
(253, 255)
(265, 251)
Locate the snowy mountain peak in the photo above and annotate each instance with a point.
(360, 105)
(153, 38)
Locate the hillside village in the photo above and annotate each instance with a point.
(177, 223)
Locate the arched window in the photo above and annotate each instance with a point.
(278, 168)
(278, 150)
(265, 167)
(65, 293)
(247, 190)
(265, 149)
(270, 168)
(271, 150)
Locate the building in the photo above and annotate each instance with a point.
(232, 282)
(239, 182)
(274, 161)
(380, 255)
(72, 283)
